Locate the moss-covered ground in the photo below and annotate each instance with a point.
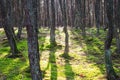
(85, 61)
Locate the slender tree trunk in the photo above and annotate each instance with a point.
(97, 15)
(19, 32)
(72, 14)
(39, 14)
(48, 14)
(116, 24)
(33, 47)
(64, 17)
(111, 75)
(21, 18)
(65, 28)
(52, 28)
(78, 14)
(83, 20)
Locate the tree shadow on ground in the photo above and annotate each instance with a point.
(52, 62)
(93, 47)
(67, 67)
(15, 67)
(68, 70)
(95, 53)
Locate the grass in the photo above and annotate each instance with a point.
(85, 61)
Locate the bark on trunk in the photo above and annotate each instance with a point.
(21, 18)
(8, 26)
(117, 24)
(83, 20)
(64, 17)
(111, 75)
(52, 28)
(33, 48)
(97, 15)
(65, 28)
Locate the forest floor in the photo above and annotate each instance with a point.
(85, 61)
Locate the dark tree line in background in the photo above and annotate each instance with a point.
(79, 14)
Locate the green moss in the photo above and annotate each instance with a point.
(85, 60)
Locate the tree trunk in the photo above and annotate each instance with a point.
(32, 33)
(64, 17)
(5, 7)
(19, 32)
(117, 24)
(72, 14)
(111, 75)
(97, 15)
(83, 19)
(52, 28)
(48, 14)
(21, 18)
(65, 28)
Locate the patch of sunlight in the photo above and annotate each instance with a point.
(1, 31)
(61, 78)
(16, 60)
(16, 31)
(46, 30)
(61, 71)
(60, 29)
(47, 75)
(44, 64)
(87, 71)
(3, 55)
(57, 53)
(47, 42)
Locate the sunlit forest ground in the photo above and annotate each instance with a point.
(85, 60)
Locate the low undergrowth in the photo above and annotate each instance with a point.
(84, 61)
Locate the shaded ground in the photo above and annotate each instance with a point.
(86, 60)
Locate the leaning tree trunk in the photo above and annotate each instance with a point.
(111, 75)
(32, 33)
(5, 11)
